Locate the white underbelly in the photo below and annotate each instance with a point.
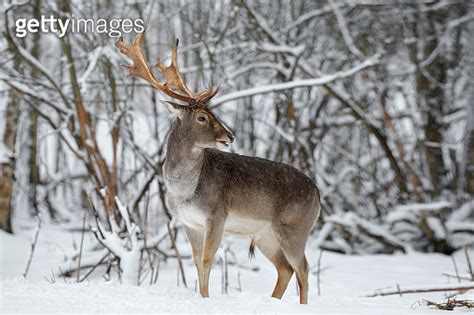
(194, 218)
(238, 225)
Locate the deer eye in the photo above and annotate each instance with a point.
(202, 118)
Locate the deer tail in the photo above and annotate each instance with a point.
(252, 249)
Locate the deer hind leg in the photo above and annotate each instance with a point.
(196, 238)
(270, 248)
(212, 239)
(292, 246)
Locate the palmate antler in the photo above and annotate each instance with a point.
(174, 86)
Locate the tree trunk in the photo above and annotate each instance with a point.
(430, 84)
(470, 156)
(33, 132)
(7, 168)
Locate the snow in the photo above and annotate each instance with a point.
(436, 226)
(5, 154)
(463, 213)
(417, 207)
(345, 281)
(352, 220)
(295, 51)
(129, 257)
(297, 83)
(341, 21)
(93, 57)
(408, 212)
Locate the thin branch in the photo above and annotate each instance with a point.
(319, 271)
(33, 246)
(424, 289)
(297, 83)
(78, 273)
(468, 260)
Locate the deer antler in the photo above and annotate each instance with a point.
(174, 86)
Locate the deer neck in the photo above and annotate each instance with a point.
(183, 163)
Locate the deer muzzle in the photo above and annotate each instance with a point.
(225, 138)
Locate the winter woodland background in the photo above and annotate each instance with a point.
(371, 99)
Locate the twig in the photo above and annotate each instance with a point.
(94, 267)
(319, 272)
(157, 270)
(33, 246)
(239, 282)
(143, 275)
(421, 289)
(456, 277)
(78, 272)
(222, 276)
(468, 259)
(226, 273)
(177, 277)
(152, 267)
(455, 268)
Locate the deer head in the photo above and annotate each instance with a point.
(201, 126)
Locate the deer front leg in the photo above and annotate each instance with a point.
(212, 239)
(196, 238)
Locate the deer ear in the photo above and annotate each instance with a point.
(175, 108)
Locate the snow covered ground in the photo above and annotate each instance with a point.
(344, 282)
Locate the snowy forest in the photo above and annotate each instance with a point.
(373, 100)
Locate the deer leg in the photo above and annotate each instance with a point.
(270, 248)
(302, 276)
(301, 268)
(284, 275)
(212, 239)
(196, 238)
(293, 249)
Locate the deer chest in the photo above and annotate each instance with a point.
(189, 215)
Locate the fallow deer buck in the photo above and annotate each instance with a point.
(213, 192)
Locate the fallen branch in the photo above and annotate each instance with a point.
(451, 304)
(423, 289)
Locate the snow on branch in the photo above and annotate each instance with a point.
(271, 48)
(304, 18)
(357, 224)
(431, 206)
(341, 21)
(408, 212)
(128, 249)
(297, 83)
